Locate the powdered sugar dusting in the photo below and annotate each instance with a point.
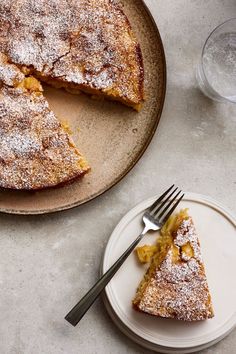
(35, 152)
(179, 288)
(19, 144)
(9, 74)
(88, 43)
(187, 233)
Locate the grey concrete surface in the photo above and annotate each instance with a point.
(48, 262)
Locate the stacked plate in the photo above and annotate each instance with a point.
(216, 227)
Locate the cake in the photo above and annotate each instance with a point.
(81, 45)
(35, 151)
(175, 284)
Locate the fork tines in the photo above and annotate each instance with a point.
(163, 207)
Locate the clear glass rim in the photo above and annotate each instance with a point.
(203, 49)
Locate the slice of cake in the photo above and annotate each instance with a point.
(35, 151)
(79, 45)
(175, 285)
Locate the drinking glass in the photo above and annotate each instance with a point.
(216, 72)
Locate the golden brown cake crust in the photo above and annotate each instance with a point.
(83, 44)
(35, 151)
(178, 289)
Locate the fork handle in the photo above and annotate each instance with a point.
(79, 310)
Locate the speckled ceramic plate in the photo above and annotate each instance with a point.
(112, 137)
(216, 228)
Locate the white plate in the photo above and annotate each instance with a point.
(216, 228)
(149, 345)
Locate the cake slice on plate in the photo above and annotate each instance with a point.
(175, 285)
(35, 151)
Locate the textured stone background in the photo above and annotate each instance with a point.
(48, 262)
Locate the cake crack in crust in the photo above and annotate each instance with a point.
(175, 285)
(76, 44)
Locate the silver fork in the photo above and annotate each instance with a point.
(154, 218)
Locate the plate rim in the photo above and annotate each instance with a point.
(151, 346)
(138, 157)
(230, 323)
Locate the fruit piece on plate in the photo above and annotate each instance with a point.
(175, 285)
(145, 253)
